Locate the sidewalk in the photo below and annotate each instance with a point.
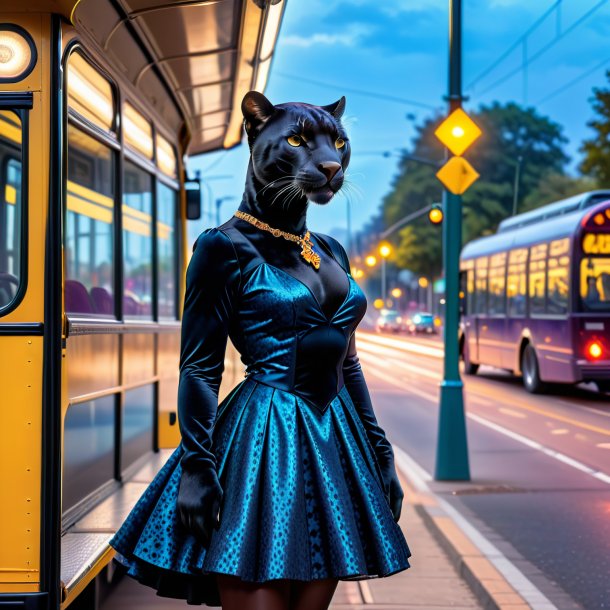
(431, 583)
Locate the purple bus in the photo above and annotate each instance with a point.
(536, 295)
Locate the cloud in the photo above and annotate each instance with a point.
(353, 36)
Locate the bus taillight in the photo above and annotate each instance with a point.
(594, 350)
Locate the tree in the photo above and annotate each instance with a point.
(509, 131)
(554, 188)
(597, 150)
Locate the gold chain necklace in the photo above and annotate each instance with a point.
(307, 251)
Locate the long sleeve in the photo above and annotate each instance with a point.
(212, 285)
(359, 393)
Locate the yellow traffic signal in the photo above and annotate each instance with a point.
(435, 215)
(457, 132)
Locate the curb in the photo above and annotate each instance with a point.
(490, 587)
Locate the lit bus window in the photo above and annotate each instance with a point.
(11, 208)
(166, 251)
(89, 93)
(166, 157)
(137, 131)
(595, 284)
(480, 285)
(516, 281)
(89, 243)
(558, 276)
(497, 279)
(137, 242)
(537, 278)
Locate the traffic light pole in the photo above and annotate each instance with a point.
(452, 445)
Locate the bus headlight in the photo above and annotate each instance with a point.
(17, 53)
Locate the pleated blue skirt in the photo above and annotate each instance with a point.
(303, 499)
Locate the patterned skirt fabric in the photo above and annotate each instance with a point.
(303, 500)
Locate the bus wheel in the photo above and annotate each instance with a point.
(603, 385)
(470, 368)
(531, 371)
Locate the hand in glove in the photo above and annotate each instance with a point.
(212, 283)
(199, 500)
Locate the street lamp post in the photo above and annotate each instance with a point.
(384, 250)
(452, 446)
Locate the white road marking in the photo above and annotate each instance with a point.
(397, 382)
(417, 370)
(512, 412)
(561, 457)
(401, 344)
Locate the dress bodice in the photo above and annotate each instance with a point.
(281, 330)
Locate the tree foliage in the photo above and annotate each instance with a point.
(596, 162)
(509, 131)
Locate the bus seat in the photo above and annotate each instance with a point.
(102, 300)
(77, 298)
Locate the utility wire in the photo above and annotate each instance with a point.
(379, 96)
(515, 45)
(572, 82)
(545, 48)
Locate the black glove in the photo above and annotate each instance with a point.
(358, 391)
(212, 283)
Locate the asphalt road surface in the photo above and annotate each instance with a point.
(540, 465)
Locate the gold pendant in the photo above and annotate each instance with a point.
(307, 252)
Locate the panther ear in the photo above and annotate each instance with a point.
(257, 110)
(337, 109)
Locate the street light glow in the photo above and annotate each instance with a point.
(385, 250)
(370, 260)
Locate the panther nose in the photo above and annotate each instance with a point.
(329, 169)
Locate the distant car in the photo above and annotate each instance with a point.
(390, 320)
(422, 323)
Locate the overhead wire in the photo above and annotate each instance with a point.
(515, 45)
(545, 48)
(363, 92)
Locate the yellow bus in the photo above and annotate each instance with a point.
(100, 103)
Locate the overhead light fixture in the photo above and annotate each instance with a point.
(17, 53)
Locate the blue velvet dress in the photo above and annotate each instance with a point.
(303, 492)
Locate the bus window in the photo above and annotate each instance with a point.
(137, 131)
(137, 243)
(558, 276)
(497, 284)
(11, 207)
(89, 93)
(89, 243)
(166, 251)
(595, 284)
(537, 279)
(480, 286)
(515, 289)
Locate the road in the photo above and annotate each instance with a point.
(540, 465)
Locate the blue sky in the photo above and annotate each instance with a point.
(398, 48)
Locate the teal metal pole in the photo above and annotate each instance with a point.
(452, 444)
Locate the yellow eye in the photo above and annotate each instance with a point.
(339, 143)
(295, 140)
